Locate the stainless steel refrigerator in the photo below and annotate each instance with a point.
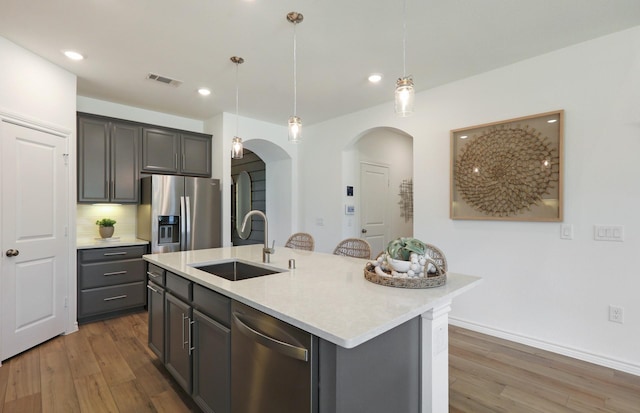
(179, 213)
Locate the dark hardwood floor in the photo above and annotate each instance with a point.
(107, 367)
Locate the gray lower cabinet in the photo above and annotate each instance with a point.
(197, 337)
(177, 338)
(211, 364)
(108, 160)
(172, 152)
(155, 308)
(111, 281)
(379, 376)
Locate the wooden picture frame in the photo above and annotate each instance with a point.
(509, 170)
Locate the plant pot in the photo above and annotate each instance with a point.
(399, 265)
(106, 232)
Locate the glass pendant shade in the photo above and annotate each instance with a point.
(236, 148)
(295, 129)
(404, 96)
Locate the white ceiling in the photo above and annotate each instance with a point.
(340, 42)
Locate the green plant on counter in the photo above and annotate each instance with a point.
(106, 222)
(401, 248)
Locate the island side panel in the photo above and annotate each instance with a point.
(435, 358)
(381, 375)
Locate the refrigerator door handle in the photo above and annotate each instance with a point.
(183, 225)
(188, 225)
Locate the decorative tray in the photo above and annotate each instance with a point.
(437, 280)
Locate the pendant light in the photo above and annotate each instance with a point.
(237, 150)
(295, 123)
(405, 92)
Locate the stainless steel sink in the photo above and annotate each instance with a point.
(235, 270)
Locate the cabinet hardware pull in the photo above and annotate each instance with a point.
(114, 273)
(153, 289)
(117, 297)
(108, 254)
(191, 322)
(150, 274)
(183, 341)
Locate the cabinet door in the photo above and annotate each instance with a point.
(195, 156)
(160, 151)
(93, 160)
(211, 364)
(125, 170)
(177, 344)
(155, 306)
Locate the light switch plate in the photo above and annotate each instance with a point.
(608, 233)
(566, 231)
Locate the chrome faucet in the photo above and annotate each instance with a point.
(266, 251)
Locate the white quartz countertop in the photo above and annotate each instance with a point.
(88, 243)
(326, 295)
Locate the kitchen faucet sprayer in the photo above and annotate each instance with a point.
(266, 251)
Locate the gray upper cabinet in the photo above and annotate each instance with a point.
(196, 155)
(171, 152)
(108, 156)
(160, 151)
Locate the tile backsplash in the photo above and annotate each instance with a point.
(87, 215)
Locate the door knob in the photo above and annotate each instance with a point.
(12, 253)
(364, 231)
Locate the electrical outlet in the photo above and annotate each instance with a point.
(616, 314)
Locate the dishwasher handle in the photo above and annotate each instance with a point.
(286, 349)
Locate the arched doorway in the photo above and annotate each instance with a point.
(380, 164)
(273, 190)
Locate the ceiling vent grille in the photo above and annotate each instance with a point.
(164, 79)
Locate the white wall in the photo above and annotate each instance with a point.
(537, 288)
(34, 90)
(119, 111)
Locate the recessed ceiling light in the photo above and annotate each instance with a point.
(73, 55)
(204, 91)
(375, 77)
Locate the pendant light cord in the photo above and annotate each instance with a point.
(404, 38)
(295, 77)
(237, 98)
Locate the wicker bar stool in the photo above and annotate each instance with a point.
(353, 247)
(300, 241)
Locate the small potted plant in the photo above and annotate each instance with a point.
(106, 227)
(399, 252)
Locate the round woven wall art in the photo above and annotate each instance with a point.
(506, 170)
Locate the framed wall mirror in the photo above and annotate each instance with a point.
(243, 203)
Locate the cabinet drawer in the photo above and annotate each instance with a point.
(113, 298)
(212, 304)
(110, 273)
(156, 274)
(112, 254)
(180, 287)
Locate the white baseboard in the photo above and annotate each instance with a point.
(554, 348)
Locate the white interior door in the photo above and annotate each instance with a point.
(35, 251)
(374, 180)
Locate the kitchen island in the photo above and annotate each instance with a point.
(328, 296)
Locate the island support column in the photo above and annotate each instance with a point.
(435, 359)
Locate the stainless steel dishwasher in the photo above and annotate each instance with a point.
(273, 364)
